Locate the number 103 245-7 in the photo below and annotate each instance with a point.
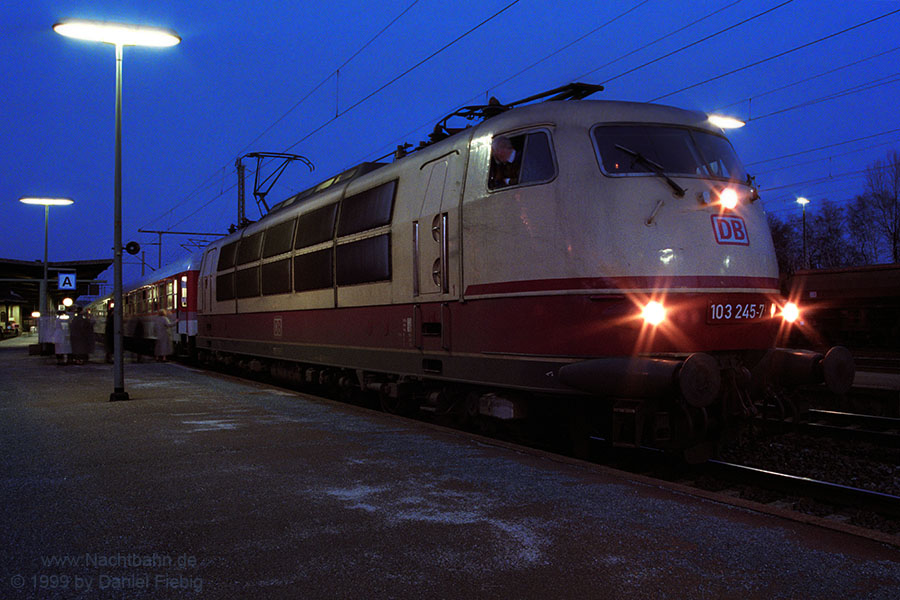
(725, 311)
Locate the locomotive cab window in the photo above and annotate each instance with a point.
(520, 159)
(651, 149)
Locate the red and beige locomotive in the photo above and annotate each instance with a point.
(602, 257)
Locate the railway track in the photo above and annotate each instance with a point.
(831, 494)
(886, 363)
(880, 431)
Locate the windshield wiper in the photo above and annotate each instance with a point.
(655, 167)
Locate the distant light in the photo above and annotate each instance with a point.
(47, 201)
(654, 313)
(790, 312)
(67, 302)
(36, 314)
(728, 198)
(725, 122)
(802, 201)
(120, 34)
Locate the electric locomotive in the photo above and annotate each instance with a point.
(606, 259)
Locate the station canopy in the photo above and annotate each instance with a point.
(20, 280)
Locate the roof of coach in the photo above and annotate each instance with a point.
(188, 263)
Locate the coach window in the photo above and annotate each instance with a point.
(521, 159)
(278, 239)
(249, 249)
(367, 210)
(316, 226)
(226, 256)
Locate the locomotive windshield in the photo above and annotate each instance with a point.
(640, 149)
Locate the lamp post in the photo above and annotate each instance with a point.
(803, 202)
(43, 308)
(119, 35)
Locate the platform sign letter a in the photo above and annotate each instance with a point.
(67, 281)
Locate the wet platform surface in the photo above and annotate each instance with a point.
(204, 486)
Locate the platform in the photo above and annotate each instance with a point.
(204, 486)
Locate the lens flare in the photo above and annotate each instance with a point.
(728, 198)
(790, 312)
(654, 313)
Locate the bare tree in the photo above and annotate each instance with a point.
(883, 194)
(788, 246)
(827, 239)
(864, 237)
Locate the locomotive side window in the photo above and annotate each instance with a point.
(226, 256)
(367, 210)
(249, 248)
(315, 227)
(364, 261)
(520, 159)
(278, 239)
(276, 277)
(646, 149)
(225, 287)
(312, 271)
(246, 282)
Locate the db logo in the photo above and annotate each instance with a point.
(730, 230)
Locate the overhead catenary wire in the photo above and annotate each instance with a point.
(700, 41)
(402, 75)
(580, 77)
(863, 87)
(808, 79)
(778, 55)
(347, 61)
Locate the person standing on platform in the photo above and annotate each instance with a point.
(137, 337)
(80, 332)
(162, 329)
(60, 338)
(109, 334)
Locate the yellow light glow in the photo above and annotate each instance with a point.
(120, 34)
(46, 201)
(654, 313)
(36, 314)
(790, 312)
(67, 302)
(725, 122)
(802, 201)
(728, 198)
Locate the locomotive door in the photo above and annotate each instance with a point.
(207, 279)
(430, 234)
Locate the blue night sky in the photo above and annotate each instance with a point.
(261, 76)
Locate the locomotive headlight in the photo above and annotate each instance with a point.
(654, 313)
(728, 198)
(790, 312)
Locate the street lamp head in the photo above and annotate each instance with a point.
(802, 201)
(725, 122)
(46, 201)
(119, 34)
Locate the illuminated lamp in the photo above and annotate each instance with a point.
(724, 122)
(790, 312)
(654, 313)
(118, 35)
(728, 198)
